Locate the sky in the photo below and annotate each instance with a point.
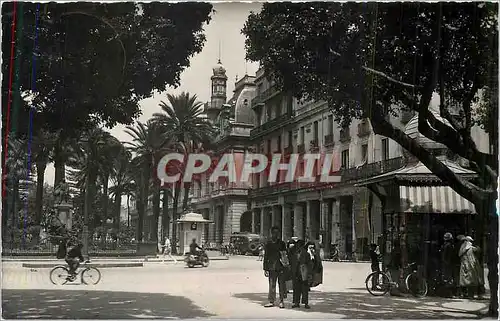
(224, 32)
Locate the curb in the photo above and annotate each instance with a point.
(96, 260)
(98, 265)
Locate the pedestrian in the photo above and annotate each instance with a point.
(375, 263)
(273, 267)
(309, 273)
(448, 262)
(167, 250)
(471, 273)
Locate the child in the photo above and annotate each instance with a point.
(261, 252)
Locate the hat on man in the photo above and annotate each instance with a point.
(448, 236)
(470, 239)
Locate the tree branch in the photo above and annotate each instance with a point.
(463, 187)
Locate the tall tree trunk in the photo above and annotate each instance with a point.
(492, 260)
(105, 197)
(156, 209)
(174, 217)
(185, 198)
(40, 177)
(128, 210)
(165, 218)
(59, 163)
(117, 212)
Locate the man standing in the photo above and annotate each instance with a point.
(273, 267)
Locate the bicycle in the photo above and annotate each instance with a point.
(60, 275)
(378, 283)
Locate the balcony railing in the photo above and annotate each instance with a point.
(301, 148)
(345, 136)
(364, 128)
(270, 124)
(313, 145)
(347, 175)
(329, 140)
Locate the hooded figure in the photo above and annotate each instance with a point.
(471, 272)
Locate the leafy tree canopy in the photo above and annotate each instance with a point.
(371, 59)
(95, 61)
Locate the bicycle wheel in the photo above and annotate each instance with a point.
(378, 283)
(91, 276)
(416, 285)
(59, 275)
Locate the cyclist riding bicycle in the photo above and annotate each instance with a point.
(73, 258)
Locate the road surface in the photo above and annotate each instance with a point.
(235, 288)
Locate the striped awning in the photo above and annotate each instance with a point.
(433, 199)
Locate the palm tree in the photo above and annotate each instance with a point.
(149, 143)
(41, 149)
(16, 170)
(109, 151)
(123, 182)
(182, 118)
(87, 160)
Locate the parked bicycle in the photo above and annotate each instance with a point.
(378, 283)
(89, 275)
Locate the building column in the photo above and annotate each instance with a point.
(277, 217)
(336, 235)
(309, 227)
(298, 217)
(324, 228)
(211, 227)
(254, 221)
(265, 221)
(286, 222)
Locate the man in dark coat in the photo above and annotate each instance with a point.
(273, 267)
(307, 266)
(448, 263)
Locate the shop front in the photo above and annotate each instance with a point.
(417, 210)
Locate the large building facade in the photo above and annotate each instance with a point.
(259, 118)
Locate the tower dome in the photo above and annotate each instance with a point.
(411, 129)
(219, 69)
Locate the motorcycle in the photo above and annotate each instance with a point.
(199, 259)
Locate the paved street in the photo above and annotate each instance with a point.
(227, 289)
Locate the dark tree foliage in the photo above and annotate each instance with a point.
(372, 60)
(96, 61)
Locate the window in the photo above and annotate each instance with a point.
(278, 110)
(269, 146)
(302, 133)
(364, 153)
(385, 149)
(315, 131)
(290, 138)
(345, 159)
(279, 143)
(330, 125)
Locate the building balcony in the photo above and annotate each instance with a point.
(345, 136)
(313, 145)
(364, 128)
(301, 149)
(371, 169)
(270, 125)
(271, 189)
(329, 140)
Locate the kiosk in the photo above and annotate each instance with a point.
(191, 227)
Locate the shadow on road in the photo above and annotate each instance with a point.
(364, 306)
(76, 304)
